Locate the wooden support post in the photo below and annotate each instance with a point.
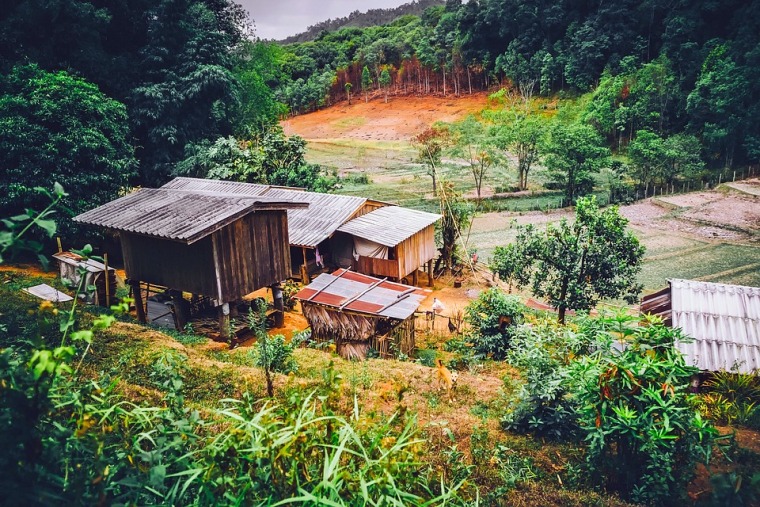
(304, 268)
(414, 277)
(107, 280)
(137, 293)
(279, 305)
(224, 321)
(430, 272)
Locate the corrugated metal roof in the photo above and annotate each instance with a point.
(325, 214)
(364, 294)
(390, 225)
(177, 215)
(724, 321)
(306, 227)
(222, 187)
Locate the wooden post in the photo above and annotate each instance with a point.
(430, 272)
(58, 240)
(304, 268)
(224, 321)
(137, 293)
(414, 277)
(279, 305)
(108, 285)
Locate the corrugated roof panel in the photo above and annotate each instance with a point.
(326, 212)
(724, 321)
(390, 225)
(224, 187)
(386, 299)
(174, 214)
(307, 227)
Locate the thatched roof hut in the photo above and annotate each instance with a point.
(360, 312)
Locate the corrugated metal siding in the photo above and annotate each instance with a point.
(724, 321)
(174, 214)
(389, 226)
(339, 287)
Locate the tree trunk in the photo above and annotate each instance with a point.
(562, 296)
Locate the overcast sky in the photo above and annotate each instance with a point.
(277, 19)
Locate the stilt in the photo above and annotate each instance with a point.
(414, 277)
(430, 272)
(279, 305)
(304, 268)
(137, 293)
(224, 321)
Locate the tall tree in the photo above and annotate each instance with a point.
(575, 265)
(58, 128)
(385, 82)
(473, 143)
(573, 154)
(430, 144)
(366, 82)
(522, 137)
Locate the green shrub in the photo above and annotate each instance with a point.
(492, 317)
(279, 355)
(731, 398)
(637, 415)
(542, 404)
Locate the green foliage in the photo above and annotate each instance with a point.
(573, 153)
(430, 144)
(574, 266)
(731, 398)
(456, 218)
(270, 157)
(493, 317)
(523, 137)
(542, 403)
(636, 412)
(366, 81)
(56, 127)
(259, 67)
(473, 143)
(277, 355)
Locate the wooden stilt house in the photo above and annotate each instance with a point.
(218, 245)
(360, 312)
(393, 242)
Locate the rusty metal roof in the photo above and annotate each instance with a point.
(724, 321)
(390, 225)
(307, 227)
(347, 290)
(177, 215)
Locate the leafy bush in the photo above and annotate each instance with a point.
(278, 356)
(492, 317)
(731, 398)
(636, 413)
(542, 404)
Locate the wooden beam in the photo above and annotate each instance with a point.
(137, 293)
(224, 321)
(326, 286)
(279, 305)
(361, 293)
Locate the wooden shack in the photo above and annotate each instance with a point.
(218, 245)
(360, 312)
(393, 242)
(311, 230)
(99, 285)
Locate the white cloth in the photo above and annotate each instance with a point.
(366, 248)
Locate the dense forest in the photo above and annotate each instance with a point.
(183, 86)
(371, 17)
(668, 67)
